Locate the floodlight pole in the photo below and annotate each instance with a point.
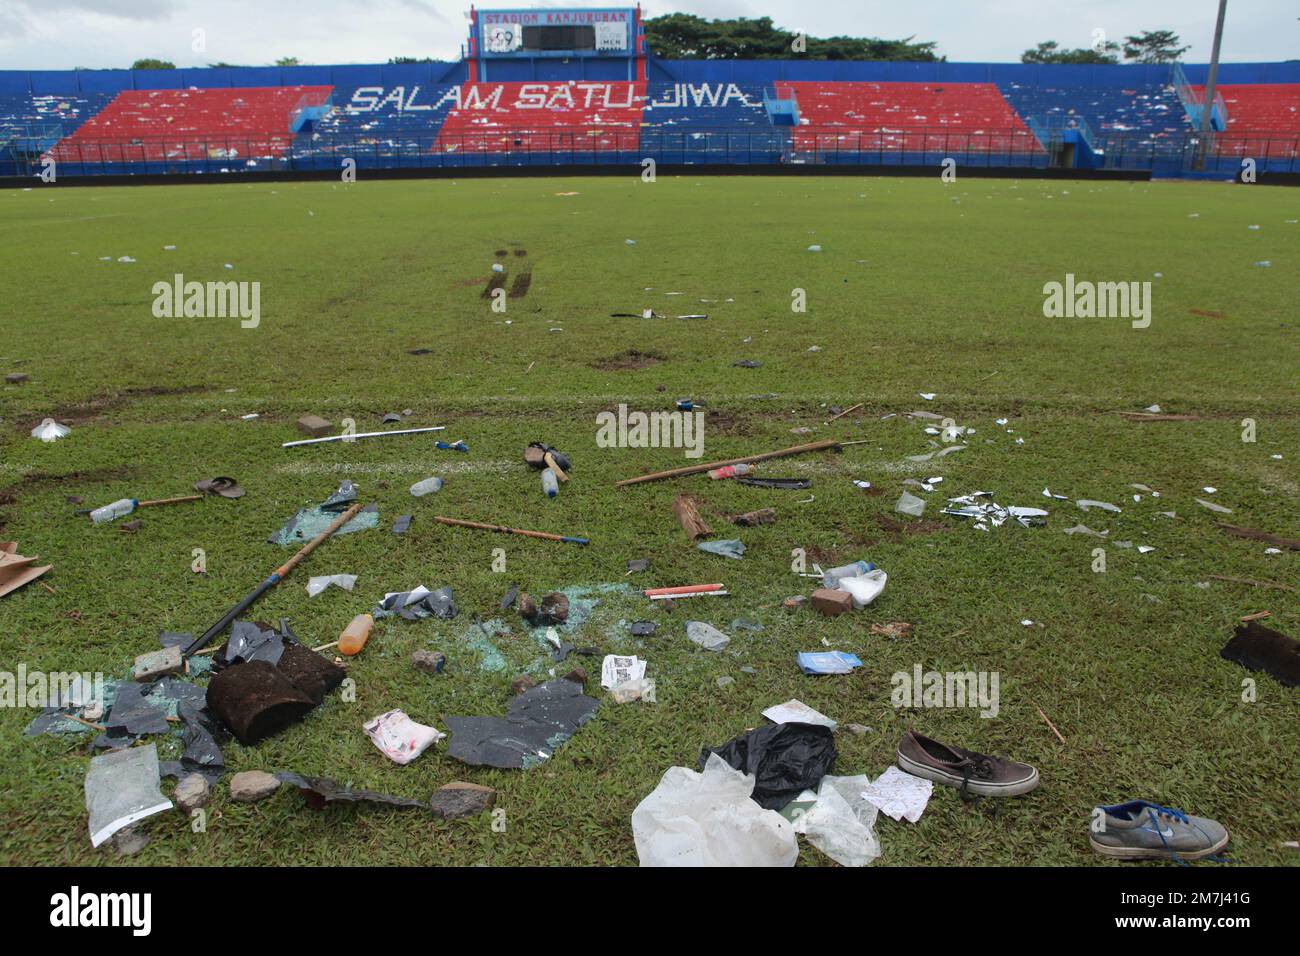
(1211, 81)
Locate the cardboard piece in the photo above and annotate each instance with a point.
(16, 570)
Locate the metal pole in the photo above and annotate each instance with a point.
(1211, 81)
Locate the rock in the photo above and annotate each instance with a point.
(461, 799)
(555, 608)
(832, 603)
(794, 603)
(17, 378)
(752, 518)
(192, 792)
(578, 675)
(431, 662)
(527, 606)
(643, 628)
(129, 841)
(252, 786)
(156, 664)
(724, 681)
(521, 684)
(314, 425)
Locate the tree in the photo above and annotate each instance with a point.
(400, 60)
(1050, 52)
(1154, 46)
(288, 61)
(685, 36)
(150, 64)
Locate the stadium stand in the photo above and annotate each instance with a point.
(1263, 119)
(907, 117)
(193, 124)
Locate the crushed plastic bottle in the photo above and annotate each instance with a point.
(549, 483)
(426, 487)
(114, 511)
(833, 577)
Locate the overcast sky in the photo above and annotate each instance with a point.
(61, 34)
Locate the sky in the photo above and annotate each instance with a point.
(63, 34)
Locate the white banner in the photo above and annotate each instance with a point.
(611, 36)
(503, 37)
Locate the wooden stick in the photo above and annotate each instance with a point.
(1049, 723)
(325, 647)
(1258, 584)
(1257, 616)
(689, 515)
(169, 501)
(504, 530)
(82, 720)
(747, 459)
(550, 463)
(1253, 535)
(843, 413)
(683, 589)
(317, 541)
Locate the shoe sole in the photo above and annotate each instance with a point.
(977, 787)
(1154, 853)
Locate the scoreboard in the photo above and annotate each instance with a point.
(563, 33)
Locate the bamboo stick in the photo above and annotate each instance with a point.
(747, 459)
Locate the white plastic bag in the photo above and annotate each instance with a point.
(865, 588)
(708, 819)
(840, 822)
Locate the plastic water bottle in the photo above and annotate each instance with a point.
(356, 634)
(731, 471)
(549, 484)
(426, 487)
(832, 578)
(114, 511)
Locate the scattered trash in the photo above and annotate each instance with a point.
(710, 819)
(616, 669)
(865, 588)
(431, 662)
(321, 791)
(314, 425)
(402, 524)
(899, 795)
(782, 484)
(785, 759)
(399, 738)
(988, 513)
(795, 711)
(459, 523)
(17, 570)
(536, 723)
(122, 789)
(752, 519)
(354, 636)
(1216, 508)
(894, 629)
(310, 523)
(832, 602)
(50, 430)
(697, 469)
(642, 689)
(706, 636)
(222, 486)
(316, 585)
(730, 548)
(838, 820)
(1259, 648)
(418, 604)
(1087, 504)
(426, 487)
(827, 662)
(1237, 532)
(909, 504)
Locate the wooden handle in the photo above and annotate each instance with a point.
(697, 469)
(288, 566)
(559, 472)
(169, 501)
(497, 527)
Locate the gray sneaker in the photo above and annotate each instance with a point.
(1141, 830)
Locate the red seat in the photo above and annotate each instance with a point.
(232, 123)
(578, 116)
(1263, 119)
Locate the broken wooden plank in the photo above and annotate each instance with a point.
(747, 459)
(688, 513)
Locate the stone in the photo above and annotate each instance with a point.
(527, 606)
(17, 378)
(129, 841)
(461, 799)
(431, 662)
(578, 675)
(314, 425)
(192, 793)
(521, 684)
(252, 786)
(156, 664)
(725, 681)
(832, 603)
(794, 603)
(555, 608)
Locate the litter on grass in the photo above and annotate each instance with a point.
(899, 795)
(399, 738)
(785, 759)
(827, 662)
(795, 711)
(536, 723)
(122, 789)
(316, 585)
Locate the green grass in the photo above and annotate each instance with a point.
(921, 287)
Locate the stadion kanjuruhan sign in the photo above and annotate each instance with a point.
(503, 30)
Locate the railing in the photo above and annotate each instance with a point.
(1046, 126)
(1167, 154)
(1194, 100)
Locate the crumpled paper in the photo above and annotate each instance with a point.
(899, 795)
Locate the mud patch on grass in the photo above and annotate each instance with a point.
(523, 282)
(79, 413)
(629, 360)
(718, 422)
(892, 525)
(498, 281)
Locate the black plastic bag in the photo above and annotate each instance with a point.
(786, 759)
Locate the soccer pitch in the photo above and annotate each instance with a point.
(919, 287)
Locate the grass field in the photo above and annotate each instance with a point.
(921, 287)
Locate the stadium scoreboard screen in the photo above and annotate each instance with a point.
(524, 33)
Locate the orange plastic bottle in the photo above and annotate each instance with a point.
(355, 634)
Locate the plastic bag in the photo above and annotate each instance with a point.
(708, 819)
(840, 822)
(122, 788)
(786, 759)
